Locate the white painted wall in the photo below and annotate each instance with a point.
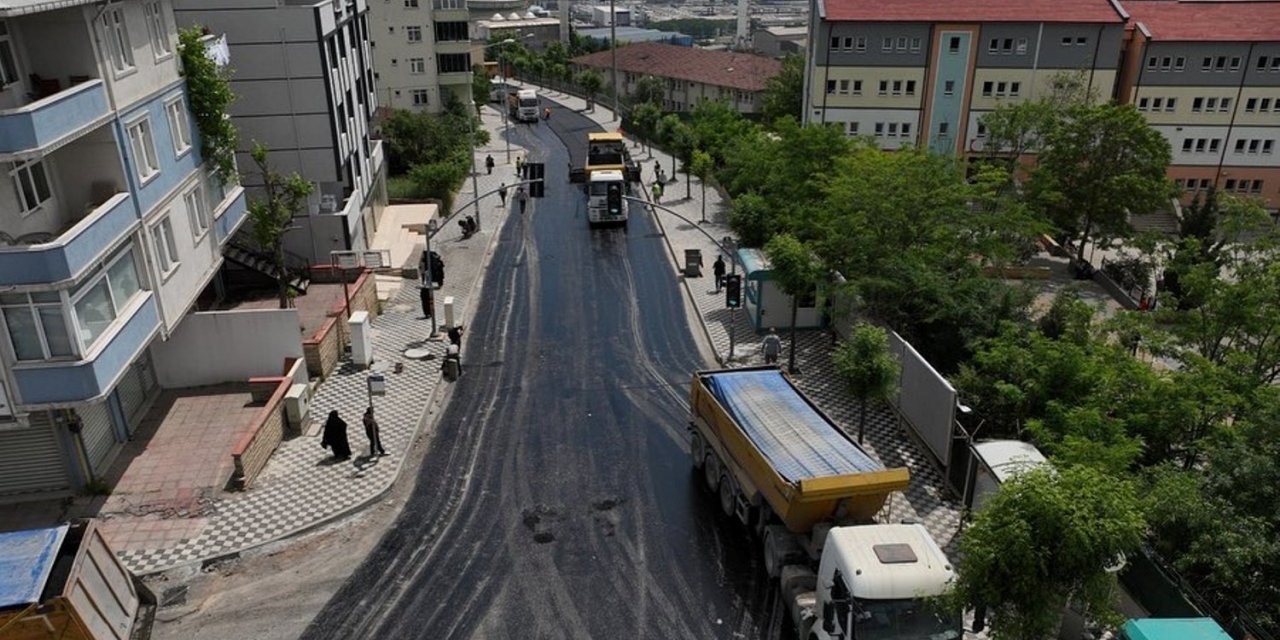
(867, 119)
(177, 290)
(227, 346)
(150, 74)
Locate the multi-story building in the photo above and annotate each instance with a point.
(421, 53)
(1207, 76)
(691, 75)
(111, 225)
(919, 72)
(303, 77)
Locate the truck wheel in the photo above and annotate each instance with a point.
(711, 473)
(697, 451)
(728, 495)
(772, 563)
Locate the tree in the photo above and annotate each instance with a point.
(1018, 128)
(701, 166)
(1101, 165)
(209, 96)
(797, 272)
(271, 215)
(643, 122)
(1043, 541)
(650, 90)
(784, 92)
(591, 82)
(439, 180)
(867, 368)
(680, 141)
(481, 86)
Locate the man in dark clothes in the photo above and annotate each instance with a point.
(502, 193)
(488, 164)
(717, 268)
(455, 335)
(523, 197)
(371, 431)
(335, 437)
(428, 302)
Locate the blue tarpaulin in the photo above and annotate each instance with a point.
(797, 440)
(26, 558)
(1174, 629)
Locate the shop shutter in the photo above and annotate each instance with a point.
(30, 460)
(98, 433)
(136, 388)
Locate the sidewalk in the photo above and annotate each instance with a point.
(927, 500)
(301, 487)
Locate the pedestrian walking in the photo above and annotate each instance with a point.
(523, 197)
(717, 269)
(519, 167)
(335, 437)
(657, 192)
(772, 346)
(455, 336)
(502, 194)
(371, 431)
(546, 113)
(488, 165)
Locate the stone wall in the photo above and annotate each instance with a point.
(265, 434)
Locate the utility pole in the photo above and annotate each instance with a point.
(613, 56)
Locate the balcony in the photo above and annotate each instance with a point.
(55, 118)
(449, 10)
(45, 383)
(62, 258)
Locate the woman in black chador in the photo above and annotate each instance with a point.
(335, 436)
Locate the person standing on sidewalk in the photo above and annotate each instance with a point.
(772, 346)
(657, 192)
(519, 167)
(371, 431)
(502, 194)
(523, 197)
(335, 437)
(488, 165)
(717, 269)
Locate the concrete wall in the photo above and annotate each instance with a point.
(227, 346)
(150, 74)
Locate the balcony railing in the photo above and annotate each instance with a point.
(63, 257)
(48, 120)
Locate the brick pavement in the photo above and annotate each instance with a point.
(301, 486)
(926, 500)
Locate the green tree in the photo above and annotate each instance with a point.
(784, 93)
(650, 90)
(1015, 129)
(1045, 540)
(439, 180)
(643, 122)
(715, 126)
(591, 82)
(867, 368)
(701, 166)
(271, 215)
(1102, 164)
(481, 86)
(209, 96)
(679, 139)
(797, 272)
(751, 217)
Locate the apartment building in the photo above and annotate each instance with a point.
(303, 77)
(111, 225)
(1207, 76)
(691, 75)
(421, 53)
(919, 72)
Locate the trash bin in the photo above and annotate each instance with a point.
(693, 263)
(451, 367)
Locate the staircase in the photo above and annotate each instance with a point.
(1165, 222)
(255, 260)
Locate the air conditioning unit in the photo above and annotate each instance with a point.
(328, 203)
(297, 406)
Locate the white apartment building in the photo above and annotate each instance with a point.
(303, 77)
(421, 53)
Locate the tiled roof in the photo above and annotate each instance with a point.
(972, 11)
(719, 68)
(1207, 21)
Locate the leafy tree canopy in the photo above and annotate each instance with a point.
(784, 93)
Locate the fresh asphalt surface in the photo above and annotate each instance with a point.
(557, 500)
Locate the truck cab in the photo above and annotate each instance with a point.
(523, 105)
(605, 192)
(873, 582)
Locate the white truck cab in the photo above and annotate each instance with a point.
(605, 191)
(873, 583)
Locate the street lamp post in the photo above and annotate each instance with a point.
(430, 281)
(613, 55)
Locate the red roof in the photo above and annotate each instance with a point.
(971, 11)
(718, 68)
(1208, 21)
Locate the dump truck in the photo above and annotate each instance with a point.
(608, 172)
(523, 105)
(783, 469)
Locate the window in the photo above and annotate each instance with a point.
(954, 45)
(1201, 144)
(413, 34)
(851, 128)
(844, 87)
(1157, 104)
(911, 87)
(144, 149)
(417, 65)
(1152, 63)
(31, 184)
(906, 129)
(1179, 63)
(1235, 63)
(1262, 63)
(8, 63)
(1197, 105)
(1021, 47)
(1239, 146)
(982, 130)
(166, 245)
(411, 4)
(156, 28)
(1166, 63)
(848, 44)
(949, 88)
(453, 63)
(1207, 64)
(1211, 104)
(1220, 63)
(884, 87)
(197, 211)
(1265, 105)
(1066, 41)
(1268, 146)
(176, 112)
(419, 97)
(915, 45)
(860, 45)
(1224, 105)
(897, 87)
(1169, 104)
(117, 36)
(1275, 63)
(993, 46)
(902, 43)
(1186, 145)
(893, 129)
(987, 88)
(831, 87)
(37, 325)
(835, 42)
(886, 45)
(452, 32)
(1230, 184)
(1142, 104)
(879, 128)
(1006, 47)
(1015, 88)
(944, 128)
(1214, 145)
(1256, 187)
(100, 300)
(857, 87)
(1251, 105)
(1081, 41)
(1254, 146)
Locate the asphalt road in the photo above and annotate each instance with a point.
(556, 500)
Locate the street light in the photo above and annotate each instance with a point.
(506, 117)
(430, 280)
